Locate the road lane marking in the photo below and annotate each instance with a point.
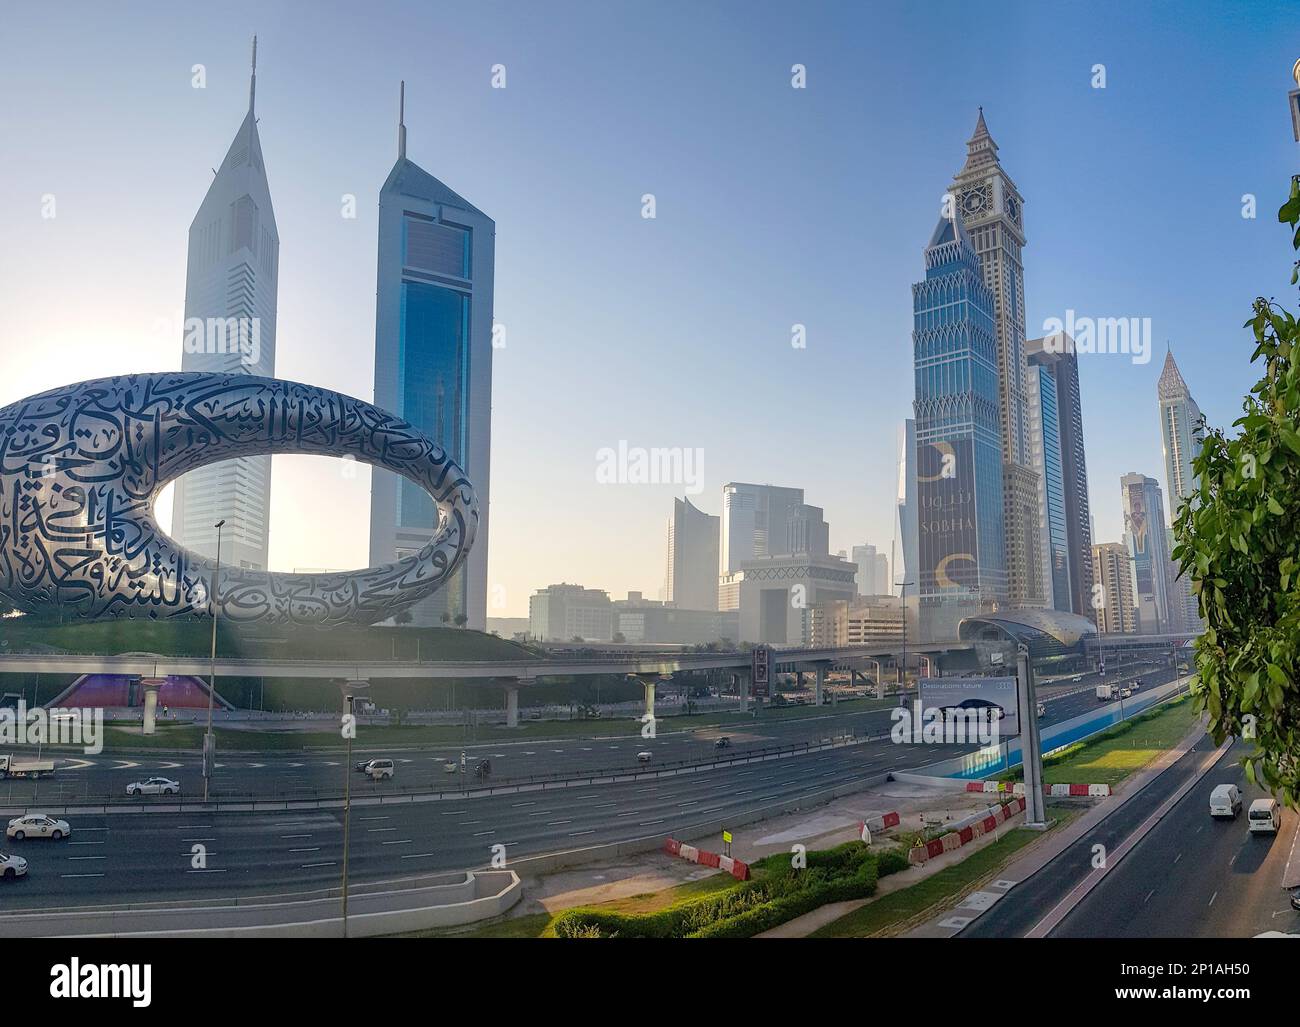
(576, 834)
(403, 841)
(312, 849)
(1212, 898)
(293, 837)
(81, 875)
(309, 866)
(379, 830)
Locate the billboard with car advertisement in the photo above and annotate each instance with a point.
(974, 695)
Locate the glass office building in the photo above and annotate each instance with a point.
(961, 542)
(1045, 454)
(433, 367)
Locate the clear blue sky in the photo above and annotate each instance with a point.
(775, 206)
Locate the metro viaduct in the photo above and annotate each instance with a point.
(649, 668)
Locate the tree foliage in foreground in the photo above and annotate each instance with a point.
(1239, 540)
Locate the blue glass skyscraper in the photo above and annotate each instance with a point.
(1044, 416)
(433, 365)
(962, 560)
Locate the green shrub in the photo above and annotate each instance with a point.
(779, 893)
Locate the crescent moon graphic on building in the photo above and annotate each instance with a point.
(945, 451)
(941, 571)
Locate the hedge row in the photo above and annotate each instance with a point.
(780, 893)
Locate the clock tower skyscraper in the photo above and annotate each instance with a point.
(991, 209)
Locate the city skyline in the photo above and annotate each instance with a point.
(332, 136)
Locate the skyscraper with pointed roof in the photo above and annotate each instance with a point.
(231, 282)
(1182, 433)
(959, 465)
(991, 209)
(433, 365)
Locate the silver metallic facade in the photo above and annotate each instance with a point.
(82, 466)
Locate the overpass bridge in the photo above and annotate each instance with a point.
(649, 667)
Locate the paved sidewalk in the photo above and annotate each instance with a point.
(950, 921)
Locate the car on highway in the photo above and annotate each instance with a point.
(379, 770)
(483, 769)
(450, 767)
(154, 786)
(1126, 693)
(645, 756)
(1265, 816)
(12, 866)
(37, 825)
(1225, 801)
(1042, 709)
(1295, 899)
(722, 742)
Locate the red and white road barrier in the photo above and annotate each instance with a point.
(737, 869)
(865, 827)
(956, 839)
(1018, 788)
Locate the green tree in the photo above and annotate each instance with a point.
(1238, 538)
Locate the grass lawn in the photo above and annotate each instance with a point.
(532, 925)
(900, 909)
(1116, 753)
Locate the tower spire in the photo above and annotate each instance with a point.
(401, 123)
(252, 79)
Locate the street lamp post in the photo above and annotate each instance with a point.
(209, 760)
(902, 601)
(347, 805)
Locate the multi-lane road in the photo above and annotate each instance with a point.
(1195, 877)
(170, 855)
(307, 774)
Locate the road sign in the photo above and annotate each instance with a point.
(726, 843)
(761, 671)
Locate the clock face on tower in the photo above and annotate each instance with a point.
(1013, 209)
(975, 202)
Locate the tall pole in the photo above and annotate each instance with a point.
(347, 810)
(902, 599)
(208, 752)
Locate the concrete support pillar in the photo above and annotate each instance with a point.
(512, 705)
(820, 683)
(150, 686)
(649, 687)
(742, 686)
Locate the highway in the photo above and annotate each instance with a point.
(1195, 877)
(144, 857)
(307, 774)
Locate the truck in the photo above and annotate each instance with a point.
(21, 766)
(1107, 692)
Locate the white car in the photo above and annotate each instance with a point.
(12, 866)
(379, 770)
(154, 786)
(37, 825)
(1265, 816)
(644, 757)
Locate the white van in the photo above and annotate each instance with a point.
(1265, 816)
(378, 770)
(1225, 801)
